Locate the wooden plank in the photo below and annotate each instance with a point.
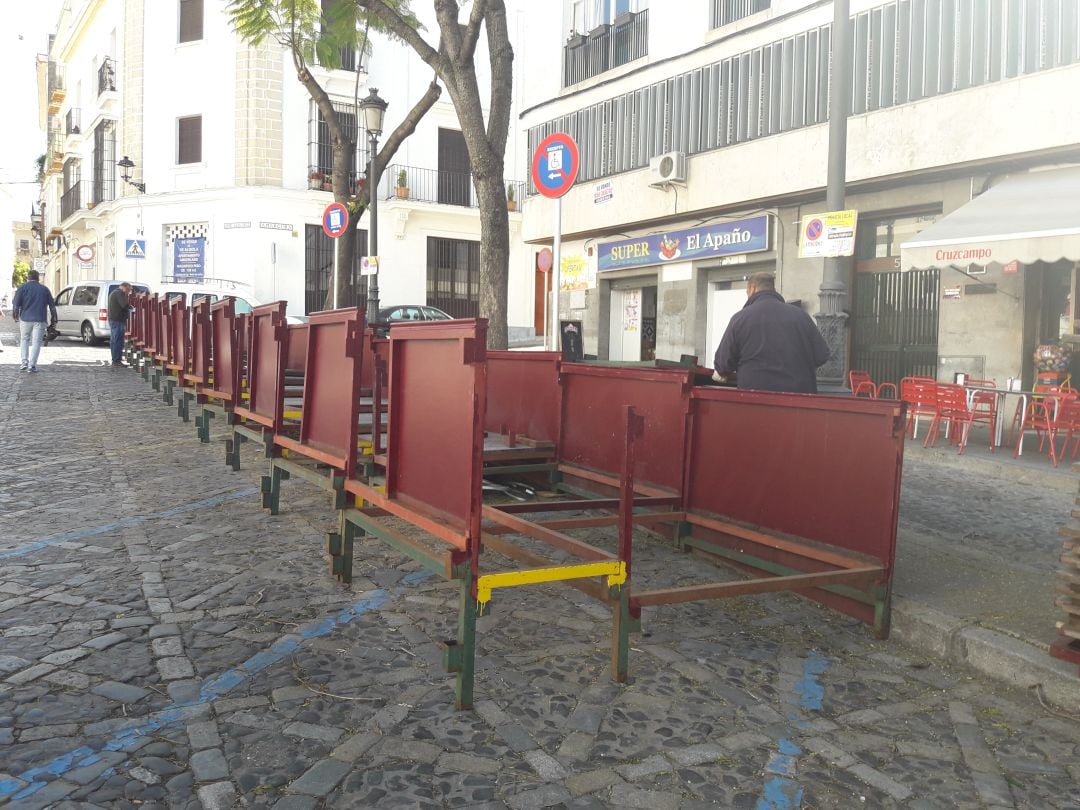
(609, 480)
(585, 504)
(521, 526)
(440, 562)
(642, 518)
(724, 590)
(436, 525)
(803, 549)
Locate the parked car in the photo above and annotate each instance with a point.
(194, 293)
(407, 313)
(82, 310)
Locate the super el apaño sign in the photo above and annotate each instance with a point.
(749, 235)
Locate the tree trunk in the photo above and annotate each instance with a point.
(344, 149)
(494, 256)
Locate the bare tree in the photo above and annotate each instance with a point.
(453, 60)
(312, 30)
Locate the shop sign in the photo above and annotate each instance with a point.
(603, 193)
(828, 235)
(966, 255)
(1011, 269)
(749, 235)
(951, 293)
(574, 274)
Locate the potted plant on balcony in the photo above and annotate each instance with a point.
(327, 183)
(402, 185)
(511, 197)
(315, 180)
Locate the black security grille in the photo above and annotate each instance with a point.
(319, 269)
(895, 324)
(453, 276)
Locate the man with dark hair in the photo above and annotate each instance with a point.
(119, 305)
(770, 345)
(32, 305)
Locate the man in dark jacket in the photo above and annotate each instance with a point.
(32, 305)
(119, 304)
(771, 345)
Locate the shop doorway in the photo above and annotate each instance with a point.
(633, 325)
(895, 324)
(1047, 314)
(541, 299)
(724, 301)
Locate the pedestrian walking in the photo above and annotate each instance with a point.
(32, 307)
(119, 309)
(770, 345)
(3, 306)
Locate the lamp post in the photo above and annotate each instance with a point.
(126, 164)
(374, 110)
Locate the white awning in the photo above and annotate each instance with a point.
(1025, 218)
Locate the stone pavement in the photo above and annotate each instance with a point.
(165, 643)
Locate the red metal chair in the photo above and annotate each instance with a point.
(920, 393)
(860, 384)
(1037, 415)
(955, 409)
(1067, 422)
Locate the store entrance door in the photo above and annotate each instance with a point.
(895, 324)
(632, 326)
(724, 302)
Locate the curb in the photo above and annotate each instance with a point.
(1061, 479)
(995, 654)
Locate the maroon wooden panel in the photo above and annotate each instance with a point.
(296, 347)
(435, 441)
(179, 338)
(164, 331)
(201, 336)
(151, 334)
(266, 367)
(523, 394)
(823, 468)
(332, 364)
(592, 422)
(135, 320)
(225, 348)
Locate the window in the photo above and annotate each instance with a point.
(728, 11)
(24, 245)
(191, 20)
(104, 163)
(64, 298)
(189, 139)
(455, 171)
(432, 314)
(453, 276)
(85, 296)
(241, 306)
(319, 269)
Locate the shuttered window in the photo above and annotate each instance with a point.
(189, 139)
(191, 20)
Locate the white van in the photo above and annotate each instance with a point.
(194, 293)
(82, 310)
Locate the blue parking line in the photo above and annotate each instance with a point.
(212, 689)
(781, 790)
(126, 523)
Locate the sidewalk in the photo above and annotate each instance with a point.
(977, 550)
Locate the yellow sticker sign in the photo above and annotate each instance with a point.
(828, 234)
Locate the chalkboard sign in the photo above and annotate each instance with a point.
(573, 351)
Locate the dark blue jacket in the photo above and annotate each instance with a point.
(772, 346)
(33, 302)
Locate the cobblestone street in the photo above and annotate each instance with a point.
(164, 642)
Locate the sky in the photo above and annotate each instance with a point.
(24, 33)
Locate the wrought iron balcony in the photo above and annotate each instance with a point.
(106, 76)
(434, 186)
(54, 158)
(606, 47)
(73, 122)
(728, 11)
(71, 201)
(57, 91)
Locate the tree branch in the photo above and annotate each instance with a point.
(501, 56)
(400, 28)
(472, 31)
(447, 13)
(405, 129)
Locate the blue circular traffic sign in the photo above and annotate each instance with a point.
(555, 165)
(335, 220)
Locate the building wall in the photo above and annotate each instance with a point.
(259, 115)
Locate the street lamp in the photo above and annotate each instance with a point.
(126, 164)
(374, 109)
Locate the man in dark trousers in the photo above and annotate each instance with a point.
(770, 345)
(31, 307)
(119, 304)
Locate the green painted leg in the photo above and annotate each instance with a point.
(333, 548)
(167, 392)
(621, 626)
(232, 452)
(682, 531)
(460, 656)
(145, 371)
(183, 407)
(155, 380)
(272, 490)
(882, 611)
(203, 425)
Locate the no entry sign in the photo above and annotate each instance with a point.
(544, 260)
(555, 165)
(335, 220)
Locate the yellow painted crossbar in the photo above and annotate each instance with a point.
(614, 570)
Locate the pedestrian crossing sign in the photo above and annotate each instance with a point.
(135, 248)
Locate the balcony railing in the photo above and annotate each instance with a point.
(71, 201)
(54, 158)
(434, 186)
(606, 47)
(57, 91)
(728, 11)
(73, 122)
(106, 76)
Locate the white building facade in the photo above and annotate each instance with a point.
(950, 98)
(228, 148)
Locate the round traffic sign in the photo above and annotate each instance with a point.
(555, 165)
(84, 253)
(335, 220)
(544, 260)
(814, 228)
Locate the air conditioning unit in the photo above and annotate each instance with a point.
(667, 169)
